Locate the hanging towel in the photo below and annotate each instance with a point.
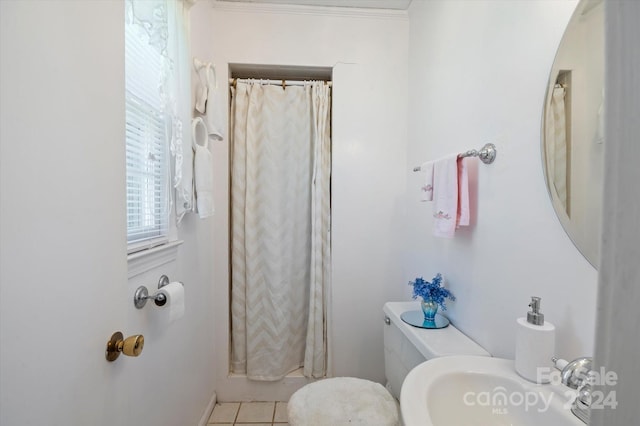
(202, 89)
(208, 104)
(464, 215)
(445, 196)
(202, 169)
(202, 92)
(426, 190)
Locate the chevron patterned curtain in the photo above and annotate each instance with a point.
(556, 147)
(280, 243)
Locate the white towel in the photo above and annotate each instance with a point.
(202, 92)
(208, 104)
(202, 169)
(464, 214)
(445, 196)
(426, 190)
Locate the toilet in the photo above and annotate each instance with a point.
(350, 401)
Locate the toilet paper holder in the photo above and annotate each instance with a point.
(141, 295)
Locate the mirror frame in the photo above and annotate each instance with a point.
(591, 254)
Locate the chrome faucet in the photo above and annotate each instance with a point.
(577, 375)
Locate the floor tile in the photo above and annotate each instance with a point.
(253, 424)
(224, 412)
(256, 412)
(281, 413)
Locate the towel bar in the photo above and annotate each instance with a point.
(486, 154)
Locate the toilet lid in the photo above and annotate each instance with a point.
(343, 401)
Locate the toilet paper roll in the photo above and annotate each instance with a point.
(174, 292)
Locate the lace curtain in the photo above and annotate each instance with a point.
(166, 23)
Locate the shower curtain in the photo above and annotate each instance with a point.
(280, 242)
(556, 147)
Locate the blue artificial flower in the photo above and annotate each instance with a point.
(431, 290)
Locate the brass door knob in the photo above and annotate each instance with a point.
(131, 346)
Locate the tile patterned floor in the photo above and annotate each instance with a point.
(249, 414)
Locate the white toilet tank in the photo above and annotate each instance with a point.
(406, 346)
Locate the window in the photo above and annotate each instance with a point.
(157, 98)
(147, 156)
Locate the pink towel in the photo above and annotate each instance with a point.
(463, 217)
(445, 196)
(426, 190)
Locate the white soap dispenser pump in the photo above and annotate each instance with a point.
(535, 345)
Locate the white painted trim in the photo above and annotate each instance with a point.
(146, 260)
(349, 12)
(237, 387)
(207, 411)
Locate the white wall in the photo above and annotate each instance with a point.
(369, 60)
(478, 72)
(63, 263)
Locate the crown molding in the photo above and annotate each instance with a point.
(276, 8)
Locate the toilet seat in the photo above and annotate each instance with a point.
(343, 401)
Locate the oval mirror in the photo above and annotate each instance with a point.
(573, 128)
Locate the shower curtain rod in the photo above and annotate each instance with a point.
(282, 83)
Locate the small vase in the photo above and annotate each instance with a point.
(429, 309)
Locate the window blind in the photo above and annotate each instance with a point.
(146, 147)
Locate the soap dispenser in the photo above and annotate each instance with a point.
(535, 345)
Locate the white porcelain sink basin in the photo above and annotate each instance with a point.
(481, 391)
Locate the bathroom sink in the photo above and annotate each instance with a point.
(481, 391)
